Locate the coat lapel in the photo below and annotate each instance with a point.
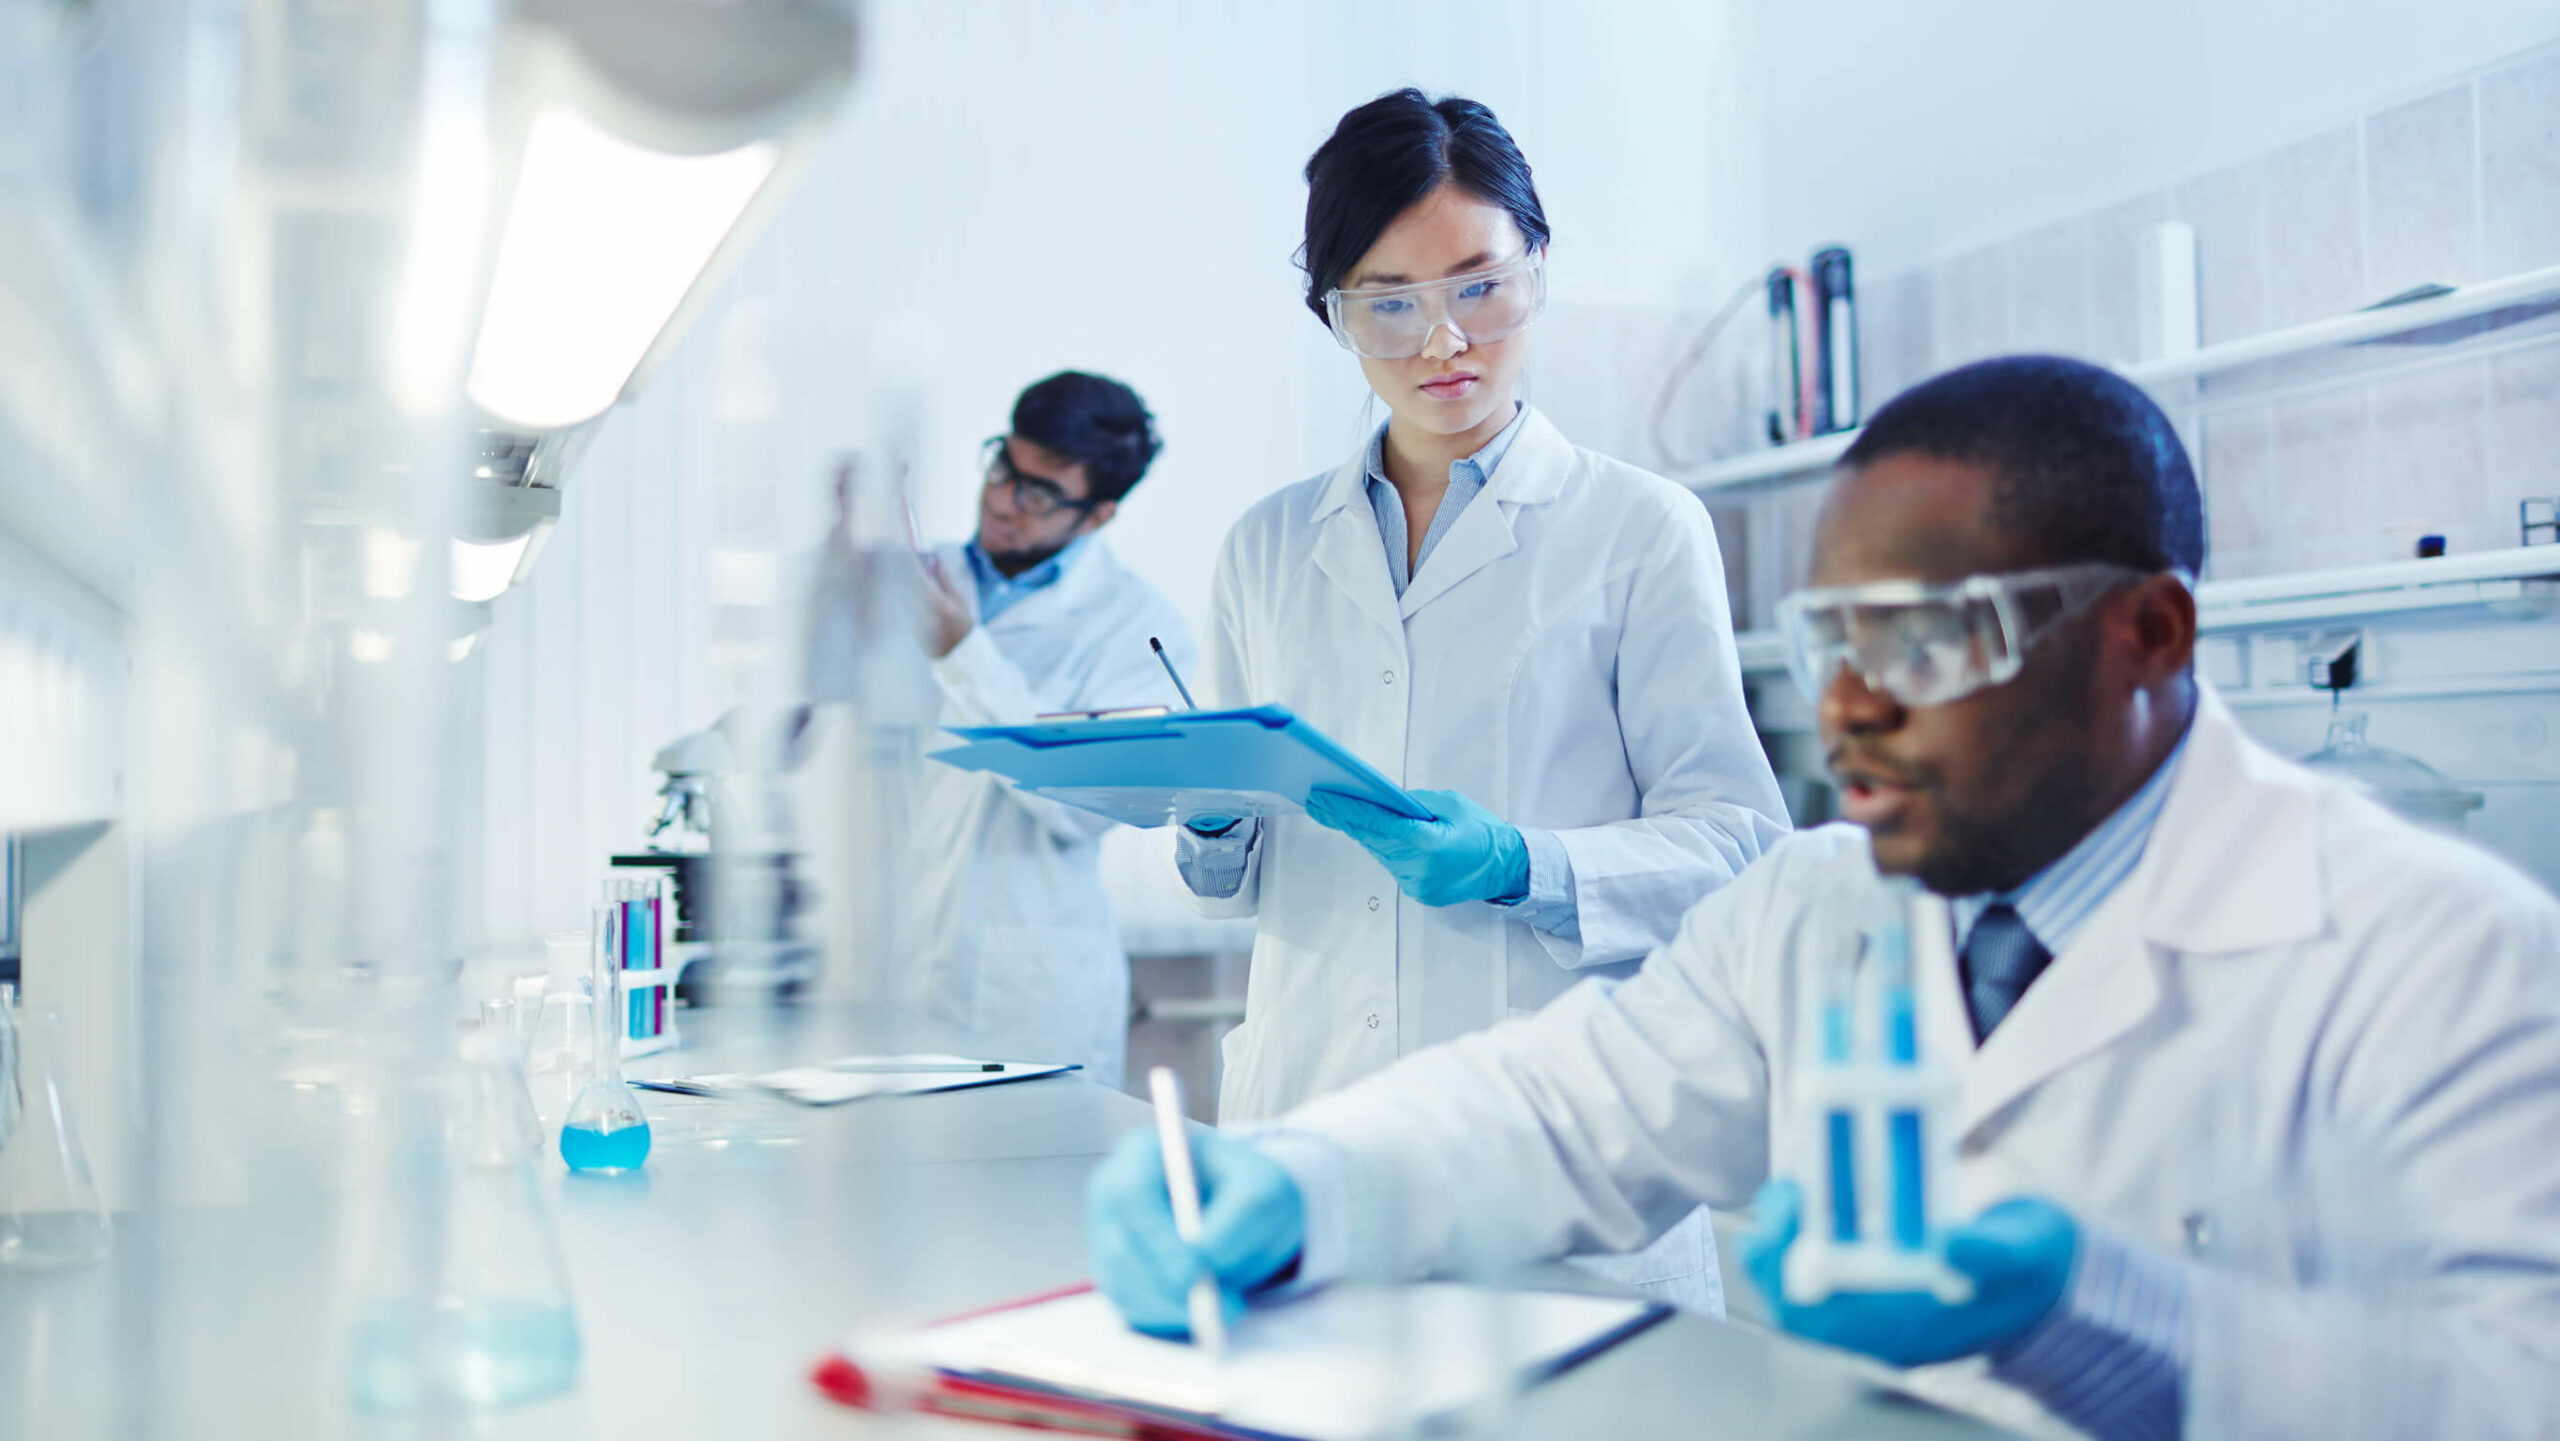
(1532, 472)
(1349, 549)
(2232, 866)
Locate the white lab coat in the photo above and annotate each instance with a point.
(1008, 909)
(2304, 1042)
(1564, 658)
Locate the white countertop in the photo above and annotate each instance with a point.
(707, 1285)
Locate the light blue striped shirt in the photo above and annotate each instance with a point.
(2110, 1357)
(2056, 901)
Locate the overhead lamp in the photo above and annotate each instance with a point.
(639, 142)
(498, 538)
(602, 242)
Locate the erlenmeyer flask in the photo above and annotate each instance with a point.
(51, 1216)
(606, 1133)
(492, 1324)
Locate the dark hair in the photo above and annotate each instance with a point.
(1388, 154)
(1093, 419)
(2086, 466)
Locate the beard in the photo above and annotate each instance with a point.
(1010, 563)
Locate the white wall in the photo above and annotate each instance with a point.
(1913, 131)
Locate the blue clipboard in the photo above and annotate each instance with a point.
(1148, 770)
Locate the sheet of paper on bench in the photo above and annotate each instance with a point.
(824, 1085)
(1330, 1366)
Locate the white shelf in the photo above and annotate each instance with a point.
(1807, 459)
(2522, 583)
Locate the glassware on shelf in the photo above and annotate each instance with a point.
(2397, 779)
(51, 1214)
(484, 1319)
(606, 1133)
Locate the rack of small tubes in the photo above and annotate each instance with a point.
(649, 973)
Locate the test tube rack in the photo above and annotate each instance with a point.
(650, 966)
(1873, 1128)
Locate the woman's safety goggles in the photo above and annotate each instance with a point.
(1928, 643)
(1394, 322)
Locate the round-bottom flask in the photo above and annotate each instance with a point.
(606, 1132)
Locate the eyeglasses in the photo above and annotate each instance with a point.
(1393, 322)
(1929, 644)
(1035, 496)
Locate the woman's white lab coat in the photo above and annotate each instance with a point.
(1007, 921)
(2306, 1048)
(1565, 658)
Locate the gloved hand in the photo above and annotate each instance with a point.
(2019, 1255)
(1253, 1223)
(1469, 854)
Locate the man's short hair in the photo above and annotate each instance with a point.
(2085, 466)
(1095, 420)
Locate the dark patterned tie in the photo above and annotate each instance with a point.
(2001, 959)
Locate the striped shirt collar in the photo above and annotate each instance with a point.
(1468, 476)
(2056, 901)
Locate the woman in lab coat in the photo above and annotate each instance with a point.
(1535, 636)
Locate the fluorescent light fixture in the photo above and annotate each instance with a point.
(370, 646)
(482, 570)
(601, 243)
(431, 314)
(390, 563)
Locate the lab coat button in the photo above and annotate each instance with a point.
(1373, 1020)
(2199, 1229)
(1373, 903)
(1388, 679)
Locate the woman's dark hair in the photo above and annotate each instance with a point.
(1390, 153)
(1093, 419)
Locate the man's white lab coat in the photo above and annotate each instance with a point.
(1008, 909)
(1565, 658)
(2310, 1049)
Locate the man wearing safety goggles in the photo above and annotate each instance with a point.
(2227, 1035)
(1035, 614)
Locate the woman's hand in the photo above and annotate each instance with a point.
(1468, 854)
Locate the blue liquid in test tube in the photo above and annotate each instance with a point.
(1842, 1129)
(1902, 1128)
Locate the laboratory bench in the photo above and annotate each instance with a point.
(757, 1236)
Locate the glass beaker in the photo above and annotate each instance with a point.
(51, 1216)
(491, 1325)
(606, 1132)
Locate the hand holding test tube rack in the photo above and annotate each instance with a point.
(1873, 1127)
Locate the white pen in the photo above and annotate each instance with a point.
(1208, 1322)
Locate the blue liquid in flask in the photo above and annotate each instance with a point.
(588, 1149)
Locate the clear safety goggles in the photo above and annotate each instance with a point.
(1929, 643)
(1394, 322)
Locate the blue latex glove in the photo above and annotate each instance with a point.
(1468, 854)
(2019, 1255)
(1253, 1223)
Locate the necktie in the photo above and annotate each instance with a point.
(2001, 959)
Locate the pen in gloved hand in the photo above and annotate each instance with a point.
(1208, 1324)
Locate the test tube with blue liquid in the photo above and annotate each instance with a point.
(606, 1132)
(1873, 1113)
